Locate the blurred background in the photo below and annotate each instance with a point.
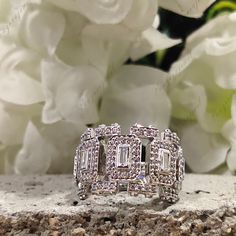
(67, 65)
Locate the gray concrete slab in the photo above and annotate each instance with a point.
(51, 202)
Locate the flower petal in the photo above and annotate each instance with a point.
(71, 93)
(229, 131)
(156, 21)
(9, 158)
(203, 151)
(233, 108)
(105, 12)
(69, 5)
(12, 126)
(5, 7)
(151, 41)
(64, 136)
(188, 102)
(189, 8)
(123, 102)
(107, 41)
(225, 74)
(69, 49)
(215, 108)
(221, 27)
(98, 11)
(141, 15)
(42, 29)
(2, 161)
(35, 155)
(212, 43)
(16, 57)
(231, 158)
(18, 88)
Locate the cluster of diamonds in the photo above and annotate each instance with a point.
(145, 161)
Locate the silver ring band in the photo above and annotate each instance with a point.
(145, 161)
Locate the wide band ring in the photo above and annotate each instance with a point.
(145, 161)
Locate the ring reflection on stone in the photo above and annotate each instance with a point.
(145, 161)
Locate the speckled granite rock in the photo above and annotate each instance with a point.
(47, 205)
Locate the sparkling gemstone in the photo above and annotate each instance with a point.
(123, 155)
(165, 159)
(84, 156)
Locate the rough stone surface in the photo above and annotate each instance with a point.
(48, 205)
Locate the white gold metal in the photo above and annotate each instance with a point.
(107, 162)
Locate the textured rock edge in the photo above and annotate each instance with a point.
(123, 222)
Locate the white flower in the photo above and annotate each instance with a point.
(202, 90)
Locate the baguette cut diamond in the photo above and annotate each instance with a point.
(123, 155)
(84, 155)
(165, 159)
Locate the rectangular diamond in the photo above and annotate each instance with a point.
(165, 159)
(123, 155)
(84, 155)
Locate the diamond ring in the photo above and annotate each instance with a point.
(145, 161)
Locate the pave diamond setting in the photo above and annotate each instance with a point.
(122, 158)
(145, 161)
(125, 151)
